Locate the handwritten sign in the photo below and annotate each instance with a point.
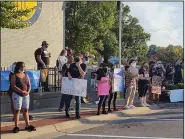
(103, 86)
(118, 84)
(156, 84)
(75, 87)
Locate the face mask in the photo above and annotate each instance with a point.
(65, 54)
(21, 71)
(134, 64)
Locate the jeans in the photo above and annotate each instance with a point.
(102, 103)
(62, 101)
(68, 102)
(114, 100)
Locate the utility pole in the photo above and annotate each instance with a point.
(119, 5)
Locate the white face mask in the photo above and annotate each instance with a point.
(134, 64)
(21, 71)
(65, 54)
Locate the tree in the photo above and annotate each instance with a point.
(87, 24)
(11, 16)
(134, 38)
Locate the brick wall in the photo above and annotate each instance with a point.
(20, 44)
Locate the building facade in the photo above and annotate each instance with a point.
(46, 23)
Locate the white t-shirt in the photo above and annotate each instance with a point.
(62, 60)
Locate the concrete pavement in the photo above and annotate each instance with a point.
(49, 121)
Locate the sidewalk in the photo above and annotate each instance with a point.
(50, 117)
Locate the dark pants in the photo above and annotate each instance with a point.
(114, 100)
(62, 101)
(142, 88)
(68, 99)
(102, 103)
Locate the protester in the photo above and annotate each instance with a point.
(20, 83)
(130, 79)
(62, 59)
(76, 70)
(170, 73)
(65, 98)
(143, 84)
(103, 87)
(10, 90)
(178, 72)
(86, 58)
(69, 52)
(42, 57)
(112, 94)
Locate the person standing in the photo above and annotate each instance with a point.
(143, 84)
(10, 90)
(112, 95)
(20, 84)
(42, 57)
(62, 59)
(131, 75)
(178, 72)
(170, 70)
(65, 97)
(76, 70)
(103, 81)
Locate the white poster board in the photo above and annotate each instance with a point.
(177, 95)
(75, 87)
(118, 85)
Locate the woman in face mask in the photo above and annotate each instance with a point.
(20, 84)
(143, 84)
(103, 87)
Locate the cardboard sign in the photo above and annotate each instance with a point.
(118, 85)
(75, 87)
(156, 90)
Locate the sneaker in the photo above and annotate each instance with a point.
(147, 105)
(109, 111)
(78, 116)
(127, 107)
(31, 117)
(104, 112)
(115, 109)
(142, 105)
(60, 109)
(30, 128)
(15, 130)
(132, 106)
(67, 115)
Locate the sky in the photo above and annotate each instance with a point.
(163, 20)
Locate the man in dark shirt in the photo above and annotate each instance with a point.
(76, 70)
(42, 57)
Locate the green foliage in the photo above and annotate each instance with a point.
(168, 54)
(94, 26)
(10, 15)
(174, 87)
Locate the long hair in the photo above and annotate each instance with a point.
(143, 66)
(62, 52)
(18, 66)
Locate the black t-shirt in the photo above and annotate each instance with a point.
(101, 72)
(144, 73)
(74, 71)
(64, 70)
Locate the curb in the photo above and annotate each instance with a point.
(65, 127)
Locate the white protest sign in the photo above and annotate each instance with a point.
(75, 87)
(118, 80)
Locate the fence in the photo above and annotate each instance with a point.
(54, 80)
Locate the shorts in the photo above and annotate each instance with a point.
(20, 101)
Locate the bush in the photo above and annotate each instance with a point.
(174, 87)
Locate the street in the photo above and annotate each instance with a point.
(168, 124)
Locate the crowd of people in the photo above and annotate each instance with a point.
(75, 66)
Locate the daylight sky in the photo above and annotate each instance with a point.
(163, 20)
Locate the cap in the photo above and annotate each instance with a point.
(44, 43)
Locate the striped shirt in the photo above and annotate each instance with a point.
(129, 80)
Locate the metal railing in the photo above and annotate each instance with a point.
(54, 80)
